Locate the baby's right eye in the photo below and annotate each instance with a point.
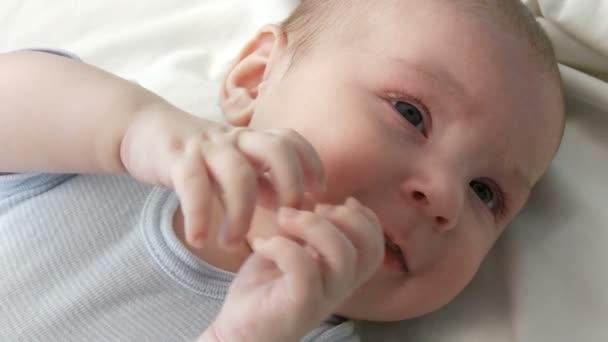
(411, 114)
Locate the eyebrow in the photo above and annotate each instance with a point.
(516, 172)
(438, 75)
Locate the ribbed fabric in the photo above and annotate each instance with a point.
(95, 258)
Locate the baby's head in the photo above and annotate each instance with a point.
(439, 115)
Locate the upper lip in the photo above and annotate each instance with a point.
(391, 243)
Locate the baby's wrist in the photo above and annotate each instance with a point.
(145, 128)
(219, 332)
(211, 335)
(214, 333)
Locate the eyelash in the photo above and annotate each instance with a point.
(500, 210)
(417, 102)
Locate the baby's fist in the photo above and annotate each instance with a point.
(296, 279)
(207, 162)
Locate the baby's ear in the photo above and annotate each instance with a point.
(245, 79)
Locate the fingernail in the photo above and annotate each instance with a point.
(225, 238)
(199, 240)
(353, 202)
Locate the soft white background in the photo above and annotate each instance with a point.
(546, 280)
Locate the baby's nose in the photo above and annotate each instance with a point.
(437, 199)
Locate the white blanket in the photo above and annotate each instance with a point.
(545, 281)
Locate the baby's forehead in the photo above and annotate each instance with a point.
(363, 24)
(318, 19)
(363, 21)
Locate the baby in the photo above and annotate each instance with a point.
(377, 150)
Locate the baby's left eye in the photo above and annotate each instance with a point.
(485, 193)
(411, 114)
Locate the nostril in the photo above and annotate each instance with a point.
(441, 221)
(418, 196)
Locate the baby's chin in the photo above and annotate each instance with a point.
(391, 297)
(379, 312)
(372, 313)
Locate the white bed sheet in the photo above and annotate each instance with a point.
(545, 281)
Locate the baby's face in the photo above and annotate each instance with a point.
(437, 122)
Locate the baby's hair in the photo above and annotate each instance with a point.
(305, 24)
(311, 18)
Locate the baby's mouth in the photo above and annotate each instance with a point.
(393, 255)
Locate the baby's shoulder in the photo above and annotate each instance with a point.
(61, 195)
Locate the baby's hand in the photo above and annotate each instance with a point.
(201, 160)
(296, 279)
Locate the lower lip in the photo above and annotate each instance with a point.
(393, 260)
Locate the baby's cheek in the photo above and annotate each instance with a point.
(350, 170)
(464, 263)
(341, 175)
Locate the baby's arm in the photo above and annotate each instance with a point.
(61, 115)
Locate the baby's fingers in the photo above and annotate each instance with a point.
(314, 173)
(192, 185)
(360, 225)
(278, 156)
(336, 254)
(238, 181)
(295, 263)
